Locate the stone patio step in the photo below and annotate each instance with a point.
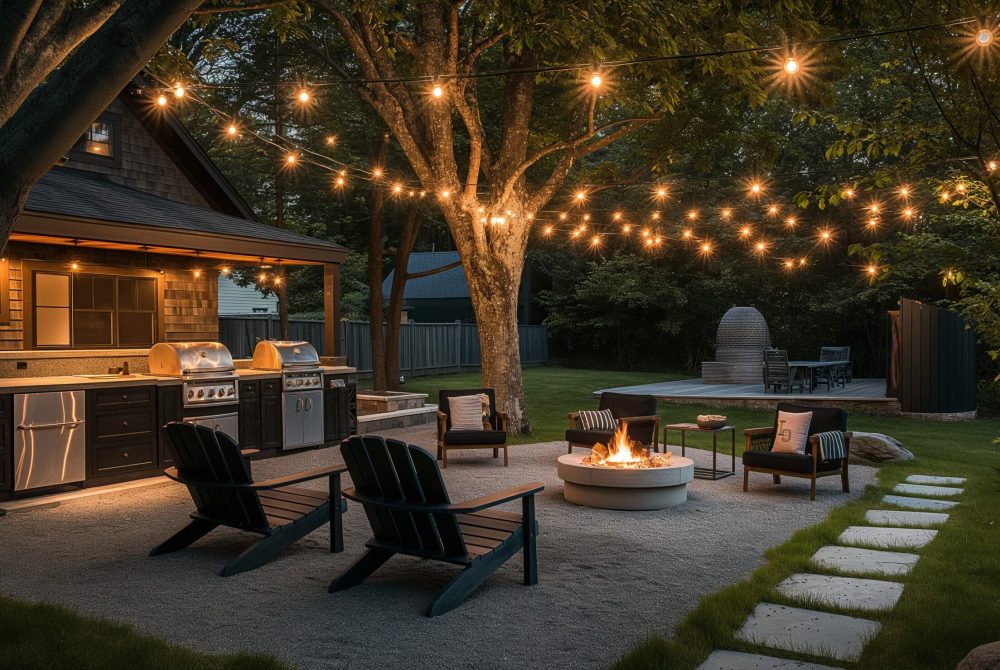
(918, 503)
(933, 479)
(722, 659)
(886, 537)
(924, 490)
(880, 517)
(853, 560)
(864, 594)
(808, 631)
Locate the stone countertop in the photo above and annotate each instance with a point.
(72, 383)
(246, 373)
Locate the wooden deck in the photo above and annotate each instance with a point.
(862, 395)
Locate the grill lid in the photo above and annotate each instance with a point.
(179, 359)
(284, 355)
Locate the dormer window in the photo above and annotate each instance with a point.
(99, 144)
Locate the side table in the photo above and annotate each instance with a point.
(714, 472)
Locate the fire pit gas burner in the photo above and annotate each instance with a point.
(624, 475)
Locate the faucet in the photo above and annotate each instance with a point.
(125, 372)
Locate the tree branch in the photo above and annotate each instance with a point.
(469, 61)
(433, 271)
(16, 17)
(249, 7)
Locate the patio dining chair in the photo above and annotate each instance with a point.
(217, 476)
(778, 374)
(842, 373)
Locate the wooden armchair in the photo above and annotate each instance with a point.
(218, 477)
(758, 457)
(407, 505)
(639, 411)
(492, 437)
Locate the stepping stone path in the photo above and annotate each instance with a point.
(836, 636)
(851, 560)
(886, 538)
(881, 517)
(918, 503)
(847, 592)
(737, 660)
(937, 481)
(923, 490)
(808, 631)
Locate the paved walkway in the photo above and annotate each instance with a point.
(865, 556)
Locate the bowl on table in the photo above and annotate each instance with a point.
(710, 421)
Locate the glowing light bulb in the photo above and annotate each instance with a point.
(616, 216)
(290, 159)
(74, 266)
(626, 229)
(761, 247)
(789, 264)
(984, 37)
(772, 210)
(873, 222)
(904, 192)
(262, 277)
(277, 281)
(802, 261)
(179, 91)
(340, 181)
(756, 188)
(225, 270)
(726, 214)
(687, 233)
(196, 273)
(547, 231)
(562, 216)
(397, 188)
(849, 193)
(595, 241)
(873, 208)
(445, 194)
(596, 80)
(945, 196)
(303, 96)
(746, 231)
(586, 217)
(162, 101)
(791, 65)
(692, 214)
(872, 269)
(655, 216)
(706, 248)
(437, 91)
(661, 192)
(791, 222)
(331, 140)
(908, 213)
(960, 188)
(825, 235)
(232, 130)
(580, 196)
(992, 166)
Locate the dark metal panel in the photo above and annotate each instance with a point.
(936, 360)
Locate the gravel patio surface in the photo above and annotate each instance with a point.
(607, 579)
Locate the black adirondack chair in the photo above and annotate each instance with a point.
(218, 477)
(404, 496)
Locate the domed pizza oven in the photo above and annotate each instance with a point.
(740, 341)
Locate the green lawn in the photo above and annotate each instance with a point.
(951, 602)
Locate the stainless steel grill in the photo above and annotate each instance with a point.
(206, 367)
(301, 385)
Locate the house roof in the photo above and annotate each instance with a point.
(236, 299)
(447, 284)
(84, 195)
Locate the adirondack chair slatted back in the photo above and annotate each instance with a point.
(401, 473)
(203, 455)
(775, 366)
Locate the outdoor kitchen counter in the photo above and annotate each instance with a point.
(70, 383)
(245, 373)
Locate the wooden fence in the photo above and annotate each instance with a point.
(424, 348)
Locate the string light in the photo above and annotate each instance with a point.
(802, 261)
(984, 37)
(291, 159)
(397, 188)
(445, 194)
(706, 248)
(872, 270)
(687, 233)
(232, 130)
(692, 215)
(196, 273)
(661, 193)
(331, 140)
(277, 281)
(746, 231)
(562, 216)
(655, 216)
(904, 192)
(179, 91)
(596, 80)
(580, 196)
(874, 208)
(437, 91)
(726, 214)
(992, 166)
(262, 277)
(756, 189)
(789, 264)
(772, 210)
(377, 173)
(225, 270)
(825, 236)
(626, 229)
(760, 247)
(547, 230)
(595, 241)
(872, 223)
(791, 65)
(617, 216)
(303, 96)
(908, 213)
(849, 193)
(791, 222)
(162, 100)
(74, 266)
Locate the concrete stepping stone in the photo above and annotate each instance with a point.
(808, 631)
(864, 561)
(863, 594)
(939, 481)
(918, 503)
(886, 537)
(879, 517)
(924, 490)
(737, 660)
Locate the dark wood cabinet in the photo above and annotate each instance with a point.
(121, 430)
(6, 442)
(272, 435)
(170, 403)
(250, 415)
(340, 412)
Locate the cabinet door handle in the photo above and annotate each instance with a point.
(309, 404)
(124, 396)
(125, 455)
(125, 423)
(298, 404)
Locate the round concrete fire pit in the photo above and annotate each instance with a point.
(624, 488)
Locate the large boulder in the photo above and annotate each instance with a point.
(876, 448)
(986, 657)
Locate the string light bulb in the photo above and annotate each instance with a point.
(397, 188)
(661, 192)
(617, 216)
(726, 214)
(74, 266)
(791, 222)
(595, 241)
(825, 236)
(179, 91)
(232, 130)
(849, 193)
(547, 230)
(692, 215)
(789, 264)
(331, 140)
(760, 247)
(772, 210)
(791, 65)
(225, 270)
(377, 173)
(596, 80)
(746, 231)
(908, 213)
(445, 194)
(162, 100)
(291, 159)
(303, 96)
(706, 248)
(626, 229)
(872, 270)
(437, 91)
(196, 273)
(756, 188)
(984, 37)
(262, 277)
(872, 223)
(580, 196)
(687, 233)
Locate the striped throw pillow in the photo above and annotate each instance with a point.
(600, 420)
(466, 412)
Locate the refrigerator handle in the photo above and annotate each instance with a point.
(50, 426)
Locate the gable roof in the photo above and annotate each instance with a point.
(447, 284)
(236, 299)
(84, 195)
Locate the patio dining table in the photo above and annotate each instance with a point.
(812, 367)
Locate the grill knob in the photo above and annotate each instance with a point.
(190, 393)
(201, 393)
(211, 393)
(231, 391)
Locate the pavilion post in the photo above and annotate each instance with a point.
(331, 309)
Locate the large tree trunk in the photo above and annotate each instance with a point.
(494, 287)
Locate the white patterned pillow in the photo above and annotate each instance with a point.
(600, 420)
(466, 412)
(792, 432)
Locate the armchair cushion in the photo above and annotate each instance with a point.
(480, 436)
(600, 421)
(466, 412)
(588, 437)
(787, 462)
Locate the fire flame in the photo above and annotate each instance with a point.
(621, 452)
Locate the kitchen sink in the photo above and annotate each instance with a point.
(111, 376)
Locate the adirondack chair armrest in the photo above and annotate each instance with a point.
(298, 477)
(172, 473)
(474, 505)
(498, 498)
